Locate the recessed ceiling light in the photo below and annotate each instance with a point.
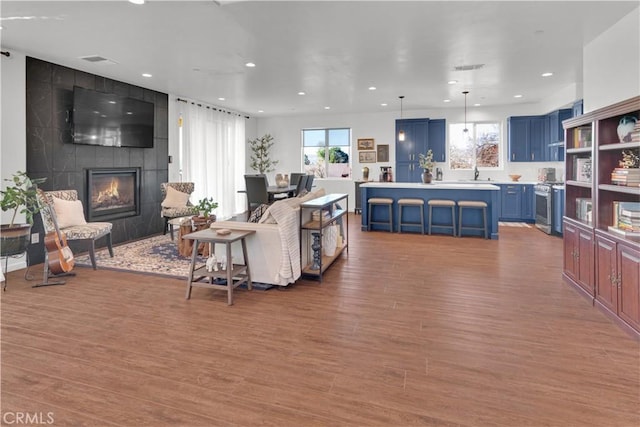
(547, 74)
(372, 88)
(452, 82)
(446, 100)
(146, 75)
(327, 108)
(250, 64)
(517, 96)
(136, 1)
(301, 93)
(260, 111)
(112, 102)
(384, 104)
(477, 105)
(221, 99)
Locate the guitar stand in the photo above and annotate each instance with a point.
(46, 276)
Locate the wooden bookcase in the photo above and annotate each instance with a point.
(602, 265)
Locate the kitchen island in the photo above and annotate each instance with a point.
(455, 191)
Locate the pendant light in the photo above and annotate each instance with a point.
(401, 133)
(465, 93)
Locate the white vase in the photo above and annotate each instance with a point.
(330, 240)
(625, 127)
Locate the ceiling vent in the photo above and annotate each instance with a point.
(97, 58)
(468, 67)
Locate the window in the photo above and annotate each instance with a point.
(327, 152)
(480, 146)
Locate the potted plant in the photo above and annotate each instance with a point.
(206, 206)
(426, 163)
(20, 197)
(260, 158)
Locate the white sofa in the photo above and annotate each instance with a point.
(269, 260)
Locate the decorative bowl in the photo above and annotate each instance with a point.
(515, 177)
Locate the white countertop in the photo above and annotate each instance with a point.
(435, 185)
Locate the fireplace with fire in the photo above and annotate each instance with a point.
(113, 193)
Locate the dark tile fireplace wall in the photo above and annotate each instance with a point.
(51, 153)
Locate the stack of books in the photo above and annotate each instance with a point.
(635, 133)
(582, 137)
(626, 219)
(626, 176)
(315, 215)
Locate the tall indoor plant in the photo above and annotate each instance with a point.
(20, 196)
(260, 160)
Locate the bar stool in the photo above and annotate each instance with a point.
(471, 204)
(405, 203)
(441, 203)
(380, 201)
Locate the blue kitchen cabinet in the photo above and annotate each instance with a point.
(437, 139)
(420, 136)
(558, 209)
(517, 202)
(527, 138)
(577, 109)
(556, 146)
(511, 197)
(528, 203)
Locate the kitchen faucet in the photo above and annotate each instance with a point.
(476, 173)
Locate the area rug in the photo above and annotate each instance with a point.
(157, 255)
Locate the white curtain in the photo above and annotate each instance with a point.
(213, 156)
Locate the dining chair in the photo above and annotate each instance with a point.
(294, 177)
(302, 184)
(309, 184)
(257, 194)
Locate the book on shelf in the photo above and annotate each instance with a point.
(582, 169)
(582, 137)
(584, 210)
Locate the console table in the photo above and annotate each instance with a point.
(235, 274)
(329, 212)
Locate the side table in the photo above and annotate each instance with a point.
(235, 274)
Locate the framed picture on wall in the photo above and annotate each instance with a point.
(367, 157)
(365, 144)
(383, 153)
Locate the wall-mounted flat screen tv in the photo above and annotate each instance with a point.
(112, 120)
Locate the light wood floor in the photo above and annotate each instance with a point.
(404, 330)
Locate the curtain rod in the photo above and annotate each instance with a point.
(186, 101)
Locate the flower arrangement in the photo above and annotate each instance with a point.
(426, 160)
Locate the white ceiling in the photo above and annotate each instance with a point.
(334, 51)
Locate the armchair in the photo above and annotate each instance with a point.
(171, 212)
(89, 232)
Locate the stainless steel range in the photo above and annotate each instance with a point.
(544, 206)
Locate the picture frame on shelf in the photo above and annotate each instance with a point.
(383, 153)
(367, 157)
(366, 144)
(582, 169)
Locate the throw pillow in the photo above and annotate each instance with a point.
(68, 212)
(258, 212)
(175, 199)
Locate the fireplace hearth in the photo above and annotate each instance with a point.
(112, 193)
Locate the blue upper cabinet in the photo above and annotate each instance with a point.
(528, 138)
(438, 139)
(556, 131)
(420, 135)
(577, 108)
(519, 129)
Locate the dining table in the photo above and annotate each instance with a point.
(274, 190)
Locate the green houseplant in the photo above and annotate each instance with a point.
(206, 206)
(19, 197)
(260, 160)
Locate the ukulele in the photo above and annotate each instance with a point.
(59, 253)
